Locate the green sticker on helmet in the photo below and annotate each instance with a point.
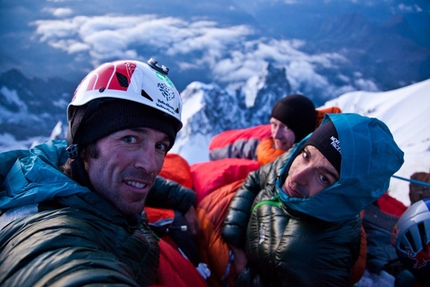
(164, 78)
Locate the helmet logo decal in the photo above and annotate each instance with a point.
(422, 257)
(167, 93)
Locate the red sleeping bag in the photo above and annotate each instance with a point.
(208, 176)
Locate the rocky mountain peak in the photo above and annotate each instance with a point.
(225, 109)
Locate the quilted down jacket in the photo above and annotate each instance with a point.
(58, 233)
(311, 241)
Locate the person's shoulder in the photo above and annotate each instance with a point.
(229, 137)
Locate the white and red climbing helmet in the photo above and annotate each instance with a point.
(139, 93)
(411, 238)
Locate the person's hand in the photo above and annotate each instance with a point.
(192, 222)
(240, 259)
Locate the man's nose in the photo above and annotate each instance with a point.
(146, 159)
(301, 176)
(277, 133)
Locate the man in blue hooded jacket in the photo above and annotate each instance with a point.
(296, 221)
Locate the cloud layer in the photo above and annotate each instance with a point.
(232, 54)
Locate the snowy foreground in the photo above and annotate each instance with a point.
(373, 280)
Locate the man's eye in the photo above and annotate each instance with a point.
(305, 155)
(129, 139)
(162, 147)
(324, 179)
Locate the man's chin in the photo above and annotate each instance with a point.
(132, 209)
(132, 205)
(278, 146)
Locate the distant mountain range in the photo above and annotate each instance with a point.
(31, 108)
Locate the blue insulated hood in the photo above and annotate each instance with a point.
(370, 156)
(32, 176)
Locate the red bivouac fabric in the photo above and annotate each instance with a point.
(175, 269)
(208, 176)
(176, 168)
(230, 136)
(390, 205)
(212, 248)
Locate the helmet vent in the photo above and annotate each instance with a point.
(423, 236)
(145, 95)
(410, 239)
(123, 81)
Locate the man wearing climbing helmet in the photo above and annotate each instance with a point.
(130, 110)
(74, 211)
